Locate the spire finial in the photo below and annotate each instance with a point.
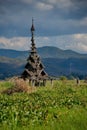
(32, 27)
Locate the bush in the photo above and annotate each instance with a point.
(63, 78)
(19, 86)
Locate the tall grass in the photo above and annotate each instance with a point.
(62, 106)
(5, 84)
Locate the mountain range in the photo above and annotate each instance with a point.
(56, 61)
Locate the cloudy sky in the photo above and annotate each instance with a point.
(60, 23)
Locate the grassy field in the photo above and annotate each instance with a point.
(62, 106)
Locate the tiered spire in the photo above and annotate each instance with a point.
(34, 69)
(32, 27)
(33, 47)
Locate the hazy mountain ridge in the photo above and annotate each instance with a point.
(58, 67)
(13, 53)
(56, 61)
(44, 52)
(54, 52)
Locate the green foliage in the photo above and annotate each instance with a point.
(58, 107)
(63, 78)
(5, 85)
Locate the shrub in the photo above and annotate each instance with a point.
(19, 86)
(63, 78)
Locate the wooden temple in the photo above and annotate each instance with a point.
(34, 69)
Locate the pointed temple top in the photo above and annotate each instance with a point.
(32, 27)
(34, 69)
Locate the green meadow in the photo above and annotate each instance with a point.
(62, 106)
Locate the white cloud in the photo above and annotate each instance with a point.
(76, 42)
(44, 6)
(17, 43)
(61, 4)
(80, 36)
(65, 3)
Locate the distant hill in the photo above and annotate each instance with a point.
(44, 52)
(54, 52)
(74, 66)
(12, 53)
(56, 61)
